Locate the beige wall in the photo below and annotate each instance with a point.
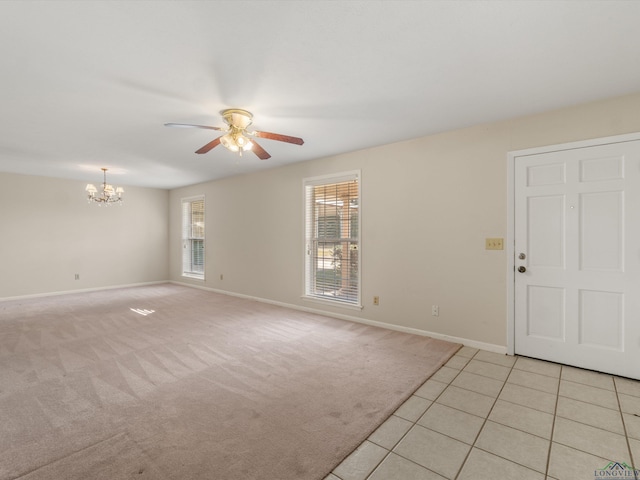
(427, 206)
(48, 233)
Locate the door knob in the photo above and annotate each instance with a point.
(522, 269)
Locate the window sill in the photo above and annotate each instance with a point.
(333, 303)
(193, 276)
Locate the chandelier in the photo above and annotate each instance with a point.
(107, 196)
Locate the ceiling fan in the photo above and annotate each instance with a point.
(236, 137)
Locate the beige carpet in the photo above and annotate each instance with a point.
(206, 386)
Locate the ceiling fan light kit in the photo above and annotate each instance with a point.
(236, 138)
(108, 195)
(236, 142)
(238, 120)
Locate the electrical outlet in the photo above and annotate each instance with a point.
(376, 300)
(494, 244)
(435, 310)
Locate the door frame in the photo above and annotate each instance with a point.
(512, 157)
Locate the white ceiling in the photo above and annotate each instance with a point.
(87, 84)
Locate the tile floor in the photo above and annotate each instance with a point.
(490, 416)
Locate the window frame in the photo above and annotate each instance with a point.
(310, 222)
(187, 238)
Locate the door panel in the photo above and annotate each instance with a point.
(546, 229)
(577, 242)
(546, 312)
(594, 307)
(546, 174)
(601, 231)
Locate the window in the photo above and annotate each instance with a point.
(193, 237)
(332, 226)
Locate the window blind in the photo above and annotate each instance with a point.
(332, 253)
(193, 237)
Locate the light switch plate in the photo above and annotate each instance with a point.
(494, 244)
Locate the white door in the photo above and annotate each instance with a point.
(577, 257)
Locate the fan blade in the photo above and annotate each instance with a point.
(259, 151)
(209, 146)
(188, 125)
(279, 137)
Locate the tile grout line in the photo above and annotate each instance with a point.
(624, 427)
(553, 423)
(416, 422)
(486, 419)
(555, 416)
(413, 424)
(511, 427)
(581, 400)
(525, 406)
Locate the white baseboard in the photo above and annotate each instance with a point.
(389, 326)
(82, 290)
